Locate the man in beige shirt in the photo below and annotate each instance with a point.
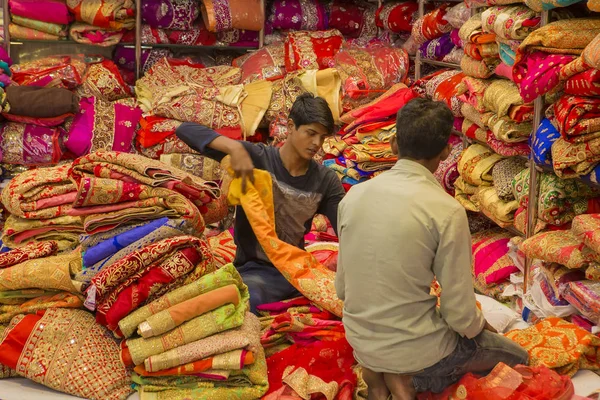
(397, 232)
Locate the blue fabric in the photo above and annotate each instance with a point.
(265, 284)
(4, 66)
(119, 242)
(561, 3)
(593, 177)
(541, 148)
(507, 55)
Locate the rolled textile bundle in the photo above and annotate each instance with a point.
(577, 118)
(170, 14)
(507, 130)
(46, 27)
(472, 91)
(26, 33)
(51, 11)
(266, 63)
(432, 25)
(108, 14)
(587, 228)
(591, 53)
(586, 83)
(514, 22)
(500, 211)
(296, 15)
(538, 73)
(476, 68)
(481, 172)
(561, 247)
(104, 126)
(154, 130)
(32, 101)
(571, 160)
(223, 15)
(105, 82)
(40, 193)
(397, 16)
(312, 50)
(492, 266)
(353, 20)
(502, 97)
(145, 275)
(54, 71)
(545, 137)
(89, 34)
(72, 340)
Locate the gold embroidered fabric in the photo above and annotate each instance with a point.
(500, 96)
(507, 130)
(500, 211)
(475, 165)
(43, 273)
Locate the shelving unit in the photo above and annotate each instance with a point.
(13, 46)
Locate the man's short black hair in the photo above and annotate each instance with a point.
(308, 109)
(423, 129)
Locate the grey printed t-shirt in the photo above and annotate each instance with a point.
(296, 199)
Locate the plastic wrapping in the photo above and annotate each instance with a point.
(30, 144)
(54, 71)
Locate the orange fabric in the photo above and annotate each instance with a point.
(191, 368)
(300, 268)
(204, 303)
(12, 345)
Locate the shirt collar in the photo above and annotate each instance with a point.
(409, 166)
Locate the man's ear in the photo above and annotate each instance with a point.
(291, 126)
(446, 152)
(394, 144)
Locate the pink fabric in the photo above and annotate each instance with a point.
(538, 73)
(505, 71)
(81, 135)
(486, 258)
(67, 198)
(52, 11)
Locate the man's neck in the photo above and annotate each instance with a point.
(292, 162)
(431, 165)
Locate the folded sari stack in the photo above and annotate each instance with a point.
(559, 201)
(209, 96)
(442, 85)
(40, 204)
(480, 49)
(39, 20)
(101, 22)
(449, 46)
(484, 183)
(431, 26)
(197, 341)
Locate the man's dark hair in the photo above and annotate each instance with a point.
(423, 129)
(308, 109)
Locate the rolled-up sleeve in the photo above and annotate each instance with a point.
(452, 267)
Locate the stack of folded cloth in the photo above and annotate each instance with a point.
(364, 149)
(306, 344)
(99, 23)
(39, 20)
(40, 205)
(559, 201)
(442, 85)
(485, 182)
(448, 47)
(196, 340)
(480, 49)
(34, 135)
(432, 26)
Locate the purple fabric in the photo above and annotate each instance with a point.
(238, 38)
(456, 39)
(437, 49)
(81, 135)
(52, 11)
(298, 15)
(125, 58)
(170, 14)
(5, 57)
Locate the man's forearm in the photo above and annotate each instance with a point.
(225, 145)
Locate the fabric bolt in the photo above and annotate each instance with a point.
(574, 159)
(510, 22)
(311, 50)
(437, 49)
(475, 165)
(587, 228)
(233, 360)
(544, 138)
(316, 282)
(170, 14)
(507, 149)
(507, 54)
(104, 81)
(481, 51)
(108, 14)
(584, 84)
(397, 16)
(561, 247)
(537, 73)
(590, 53)
(443, 86)
(458, 15)
(502, 97)
(219, 15)
(507, 130)
(353, 20)
(454, 56)
(53, 273)
(154, 130)
(558, 277)
(545, 5)
(54, 71)
(559, 345)
(472, 91)
(19, 232)
(500, 211)
(296, 15)
(46, 27)
(585, 297)
(475, 68)
(26, 33)
(32, 101)
(432, 25)
(577, 117)
(90, 34)
(266, 63)
(66, 351)
(125, 58)
(51, 11)
(30, 252)
(447, 171)
(30, 144)
(40, 193)
(472, 31)
(503, 174)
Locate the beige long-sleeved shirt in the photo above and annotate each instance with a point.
(397, 231)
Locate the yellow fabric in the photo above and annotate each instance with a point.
(299, 267)
(326, 84)
(255, 105)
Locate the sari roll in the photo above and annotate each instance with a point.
(353, 20)
(63, 346)
(223, 15)
(51, 11)
(312, 50)
(561, 247)
(54, 71)
(591, 53)
(108, 14)
(266, 63)
(587, 228)
(105, 82)
(26, 144)
(397, 16)
(46, 27)
(584, 84)
(297, 15)
(510, 22)
(26, 33)
(90, 34)
(170, 14)
(40, 193)
(475, 165)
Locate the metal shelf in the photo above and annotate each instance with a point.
(20, 42)
(440, 63)
(191, 48)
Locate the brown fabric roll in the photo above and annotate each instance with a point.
(40, 102)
